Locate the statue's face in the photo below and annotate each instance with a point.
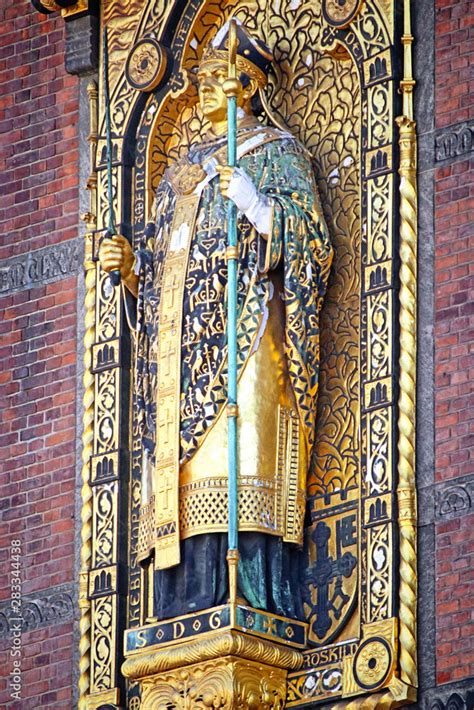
(212, 100)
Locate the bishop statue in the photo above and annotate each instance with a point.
(179, 284)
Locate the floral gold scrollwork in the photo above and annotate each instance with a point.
(370, 29)
(379, 218)
(105, 411)
(219, 684)
(379, 346)
(103, 635)
(107, 307)
(377, 475)
(104, 523)
(380, 577)
(381, 118)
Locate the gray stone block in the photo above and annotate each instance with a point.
(82, 45)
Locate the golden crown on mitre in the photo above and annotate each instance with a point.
(253, 56)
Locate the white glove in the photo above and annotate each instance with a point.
(256, 207)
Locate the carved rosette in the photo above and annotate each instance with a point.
(340, 13)
(146, 64)
(372, 663)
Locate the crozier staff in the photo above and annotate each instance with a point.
(179, 278)
(114, 273)
(231, 88)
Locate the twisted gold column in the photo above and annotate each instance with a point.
(88, 416)
(406, 490)
(86, 491)
(402, 689)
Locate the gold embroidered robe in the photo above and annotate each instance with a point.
(181, 347)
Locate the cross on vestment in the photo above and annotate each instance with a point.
(187, 330)
(166, 423)
(219, 319)
(208, 298)
(170, 351)
(165, 486)
(171, 286)
(207, 359)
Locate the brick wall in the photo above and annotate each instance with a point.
(38, 208)
(454, 331)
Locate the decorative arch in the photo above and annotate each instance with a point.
(335, 88)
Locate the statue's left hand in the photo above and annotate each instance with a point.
(226, 174)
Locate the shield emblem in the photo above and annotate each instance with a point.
(330, 588)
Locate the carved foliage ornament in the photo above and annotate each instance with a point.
(52, 606)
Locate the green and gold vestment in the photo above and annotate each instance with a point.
(282, 279)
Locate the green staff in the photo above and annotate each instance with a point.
(231, 89)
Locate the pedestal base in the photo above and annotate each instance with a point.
(227, 668)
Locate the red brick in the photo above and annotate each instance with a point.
(454, 330)
(38, 328)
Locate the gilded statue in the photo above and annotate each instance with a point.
(178, 282)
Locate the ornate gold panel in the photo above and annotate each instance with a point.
(334, 88)
(103, 636)
(216, 684)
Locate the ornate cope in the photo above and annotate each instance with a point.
(181, 346)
